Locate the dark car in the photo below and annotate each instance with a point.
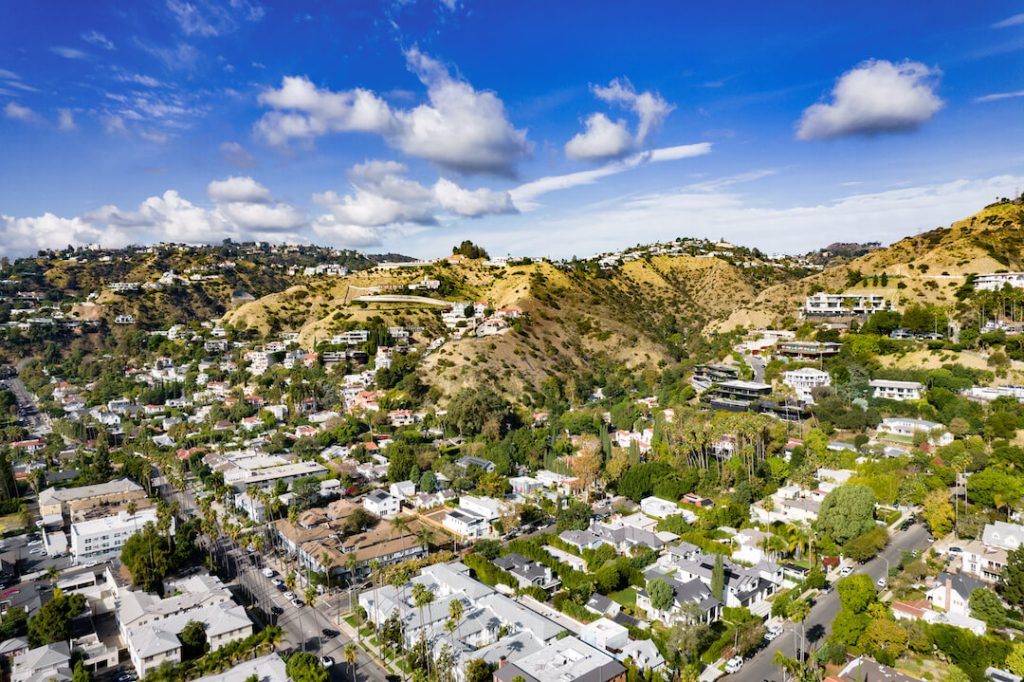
(276, 610)
(327, 632)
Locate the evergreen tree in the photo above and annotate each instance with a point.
(718, 578)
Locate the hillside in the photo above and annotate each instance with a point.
(575, 321)
(925, 268)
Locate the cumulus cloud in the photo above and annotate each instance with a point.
(459, 128)
(237, 188)
(17, 112)
(242, 209)
(383, 200)
(604, 139)
(19, 236)
(66, 120)
(876, 97)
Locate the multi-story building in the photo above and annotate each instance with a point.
(805, 380)
(997, 281)
(64, 501)
(102, 538)
(837, 305)
(563, 660)
(380, 503)
(896, 390)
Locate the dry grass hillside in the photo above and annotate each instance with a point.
(925, 268)
(637, 316)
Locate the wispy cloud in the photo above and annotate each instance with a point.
(525, 195)
(68, 52)
(99, 40)
(996, 96)
(1015, 20)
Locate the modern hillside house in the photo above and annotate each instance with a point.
(840, 305)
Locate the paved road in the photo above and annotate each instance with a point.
(761, 667)
(34, 421)
(757, 364)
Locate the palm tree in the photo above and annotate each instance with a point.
(350, 658)
(290, 581)
(423, 596)
(798, 612)
(455, 611)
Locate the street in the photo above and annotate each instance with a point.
(761, 666)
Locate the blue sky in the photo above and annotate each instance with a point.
(533, 128)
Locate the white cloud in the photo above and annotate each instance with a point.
(209, 18)
(20, 236)
(524, 195)
(997, 96)
(140, 79)
(240, 211)
(602, 139)
(1015, 20)
(17, 112)
(884, 216)
(876, 97)
(68, 52)
(66, 120)
(236, 155)
(383, 200)
(236, 188)
(471, 203)
(459, 128)
(649, 107)
(98, 39)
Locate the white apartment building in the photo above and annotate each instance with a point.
(351, 338)
(822, 304)
(804, 380)
(998, 280)
(103, 538)
(896, 390)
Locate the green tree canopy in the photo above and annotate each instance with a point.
(846, 512)
(52, 623)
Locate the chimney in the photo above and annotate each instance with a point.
(502, 662)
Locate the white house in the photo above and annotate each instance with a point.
(658, 508)
(844, 304)
(467, 524)
(605, 634)
(952, 592)
(486, 507)
(381, 504)
(805, 379)
(896, 390)
(403, 490)
(906, 427)
(996, 281)
(525, 485)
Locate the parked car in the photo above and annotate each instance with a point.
(733, 665)
(845, 571)
(955, 551)
(290, 596)
(881, 582)
(326, 661)
(276, 610)
(298, 603)
(327, 632)
(268, 572)
(772, 632)
(277, 582)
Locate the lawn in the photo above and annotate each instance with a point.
(626, 597)
(10, 522)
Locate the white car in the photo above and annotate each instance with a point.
(268, 572)
(845, 571)
(881, 582)
(290, 596)
(733, 665)
(772, 632)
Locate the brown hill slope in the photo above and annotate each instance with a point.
(926, 268)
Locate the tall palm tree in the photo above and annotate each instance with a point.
(455, 611)
(290, 581)
(798, 612)
(350, 658)
(423, 596)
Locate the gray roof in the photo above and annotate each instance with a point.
(961, 582)
(563, 660)
(269, 668)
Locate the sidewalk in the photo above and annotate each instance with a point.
(364, 643)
